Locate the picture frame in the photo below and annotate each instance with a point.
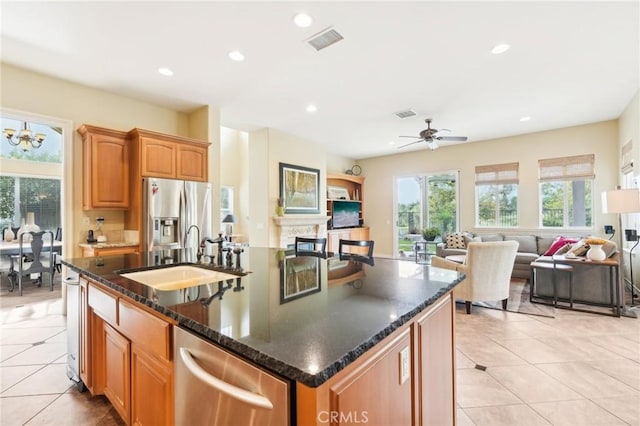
(337, 193)
(299, 277)
(300, 189)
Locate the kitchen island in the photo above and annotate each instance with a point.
(351, 342)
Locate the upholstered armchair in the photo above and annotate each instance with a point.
(487, 268)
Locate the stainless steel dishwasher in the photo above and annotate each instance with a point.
(214, 387)
(72, 282)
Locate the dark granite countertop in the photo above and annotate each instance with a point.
(304, 318)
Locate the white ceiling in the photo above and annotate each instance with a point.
(570, 63)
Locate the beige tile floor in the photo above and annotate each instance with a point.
(574, 369)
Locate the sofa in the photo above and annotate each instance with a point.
(530, 248)
(591, 282)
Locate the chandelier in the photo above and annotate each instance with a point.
(25, 139)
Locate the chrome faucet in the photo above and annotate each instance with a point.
(200, 251)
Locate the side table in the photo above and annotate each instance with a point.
(424, 250)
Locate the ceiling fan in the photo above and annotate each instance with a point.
(431, 136)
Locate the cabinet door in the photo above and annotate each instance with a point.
(158, 158)
(379, 392)
(436, 365)
(151, 389)
(192, 162)
(107, 165)
(117, 371)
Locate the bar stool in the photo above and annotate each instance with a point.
(554, 268)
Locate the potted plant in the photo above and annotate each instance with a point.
(430, 234)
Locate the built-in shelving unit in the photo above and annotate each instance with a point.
(351, 188)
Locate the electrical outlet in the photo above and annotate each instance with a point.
(86, 221)
(405, 365)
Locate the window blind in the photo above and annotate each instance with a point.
(627, 158)
(497, 174)
(567, 168)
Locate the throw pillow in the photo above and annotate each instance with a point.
(557, 244)
(579, 249)
(456, 240)
(469, 239)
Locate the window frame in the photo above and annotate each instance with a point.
(567, 170)
(496, 177)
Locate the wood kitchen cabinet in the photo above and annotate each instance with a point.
(105, 164)
(407, 379)
(117, 350)
(159, 155)
(170, 157)
(92, 251)
(435, 364)
(131, 350)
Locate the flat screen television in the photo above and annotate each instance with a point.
(346, 214)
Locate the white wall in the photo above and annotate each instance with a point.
(600, 139)
(30, 92)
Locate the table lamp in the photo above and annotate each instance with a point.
(622, 201)
(229, 220)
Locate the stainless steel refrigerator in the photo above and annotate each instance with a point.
(170, 208)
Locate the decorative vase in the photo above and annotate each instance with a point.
(595, 252)
(9, 235)
(21, 231)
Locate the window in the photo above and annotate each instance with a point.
(226, 204)
(566, 191)
(497, 195)
(21, 195)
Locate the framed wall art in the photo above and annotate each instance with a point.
(300, 189)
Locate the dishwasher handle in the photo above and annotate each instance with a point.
(250, 398)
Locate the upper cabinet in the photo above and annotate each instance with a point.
(171, 157)
(105, 163)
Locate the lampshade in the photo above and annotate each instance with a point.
(621, 201)
(229, 219)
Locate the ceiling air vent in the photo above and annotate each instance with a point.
(324, 38)
(405, 114)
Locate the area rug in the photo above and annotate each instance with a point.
(519, 301)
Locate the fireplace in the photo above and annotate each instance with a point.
(290, 227)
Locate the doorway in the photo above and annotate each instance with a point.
(423, 201)
(37, 178)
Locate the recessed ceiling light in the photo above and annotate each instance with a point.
(236, 55)
(165, 71)
(525, 118)
(500, 48)
(392, 142)
(311, 108)
(302, 20)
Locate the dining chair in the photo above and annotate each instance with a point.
(58, 257)
(362, 247)
(306, 245)
(34, 257)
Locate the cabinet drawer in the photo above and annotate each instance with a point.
(149, 332)
(103, 304)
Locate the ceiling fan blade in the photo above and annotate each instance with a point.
(415, 137)
(452, 138)
(444, 130)
(411, 143)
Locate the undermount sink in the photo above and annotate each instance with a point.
(177, 277)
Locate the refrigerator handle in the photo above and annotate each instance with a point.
(183, 217)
